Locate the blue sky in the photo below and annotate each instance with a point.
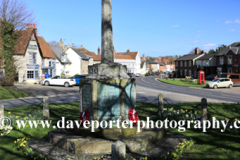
(152, 27)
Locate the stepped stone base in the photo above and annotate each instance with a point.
(168, 143)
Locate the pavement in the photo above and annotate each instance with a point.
(148, 89)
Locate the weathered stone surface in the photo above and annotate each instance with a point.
(46, 107)
(1, 113)
(107, 39)
(118, 150)
(107, 71)
(110, 99)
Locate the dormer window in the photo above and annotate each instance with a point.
(64, 58)
(32, 47)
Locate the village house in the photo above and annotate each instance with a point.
(208, 62)
(144, 65)
(228, 59)
(131, 59)
(166, 65)
(186, 66)
(62, 61)
(33, 57)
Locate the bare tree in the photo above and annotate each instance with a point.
(16, 12)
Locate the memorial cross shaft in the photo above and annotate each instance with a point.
(107, 37)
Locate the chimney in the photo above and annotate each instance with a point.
(98, 51)
(143, 57)
(203, 52)
(31, 25)
(68, 46)
(35, 29)
(28, 25)
(73, 46)
(114, 53)
(65, 48)
(196, 50)
(61, 44)
(128, 50)
(81, 46)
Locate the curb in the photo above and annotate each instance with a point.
(179, 85)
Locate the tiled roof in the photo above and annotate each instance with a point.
(84, 56)
(235, 47)
(92, 54)
(23, 40)
(57, 51)
(44, 48)
(126, 55)
(206, 57)
(189, 57)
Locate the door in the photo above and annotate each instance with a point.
(221, 83)
(55, 80)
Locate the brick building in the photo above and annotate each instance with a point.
(228, 59)
(186, 66)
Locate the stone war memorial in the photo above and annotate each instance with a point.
(106, 94)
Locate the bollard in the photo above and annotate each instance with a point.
(1, 114)
(203, 109)
(46, 107)
(118, 151)
(160, 104)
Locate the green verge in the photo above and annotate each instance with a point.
(8, 93)
(212, 144)
(183, 83)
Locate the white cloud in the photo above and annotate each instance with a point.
(201, 31)
(174, 26)
(85, 28)
(209, 45)
(232, 30)
(236, 21)
(196, 41)
(228, 22)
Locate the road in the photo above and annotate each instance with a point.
(148, 89)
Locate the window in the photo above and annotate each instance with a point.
(176, 64)
(32, 74)
(229, 70)
(185, 72)
(185, 64)
(189, 72)
(181, 72)
(234, 76)
(181, 64)
(33, 47)
(190, 63)
(227, 80)
(221, 80)
(32, 58)
(64, 58)
(221, 60)
(50, 63)
(43, 62)
(207, 63)
(229, 59)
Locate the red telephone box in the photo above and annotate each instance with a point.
(201, 77)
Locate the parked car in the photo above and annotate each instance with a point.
(235, 77)
(220, 82)
(147, 74)
(57, 80)
(211, 77)
(138, 75)
(157, 73)
(78, 78)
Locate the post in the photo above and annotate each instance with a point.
(1, 114)
(46, 107)
(118, 150)
(160, 104)
(203, 109)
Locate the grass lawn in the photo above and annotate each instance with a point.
(8, 93)
(212, 144)
(183, 83)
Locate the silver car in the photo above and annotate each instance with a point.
(220, 82)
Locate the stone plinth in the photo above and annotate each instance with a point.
(107, 99)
